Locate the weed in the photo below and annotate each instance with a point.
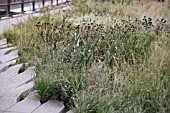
(11, 36)
(43, 86)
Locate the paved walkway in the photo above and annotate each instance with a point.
(8, 23)
(38, 5)
(15, 85)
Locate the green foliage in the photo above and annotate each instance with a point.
(11, 36)
(1, 37)
(66, 88)
(98, 67)
(115, 1)
(63, 83)
(43, 85)
(138, 93)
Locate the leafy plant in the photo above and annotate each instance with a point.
(11, 36)
(96, 63)
(43, 86)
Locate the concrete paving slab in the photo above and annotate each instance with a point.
(3, 41)
(52, 106)
(12, 112)
(1, 111)
(8, 93)
(24, 77)
(3, 51)
(28, 105)
(17, 92)
(2, 93)
(27, 88)
(6, 102)
(5, 46)
(70, 111)
(23, 88)
(10, 72)
(16, 81)
(10, 83)
(4, 66)
(5, 91)
(11, 56)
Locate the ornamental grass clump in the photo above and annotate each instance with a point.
(43, 85)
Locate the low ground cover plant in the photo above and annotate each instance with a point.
(95, 66)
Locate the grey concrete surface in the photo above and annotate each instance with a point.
(6, 102)
(11, 71)
(5, 46)
(28, 105)
(11, 56)
(4, 51)
(4, 66)
(12, 83)
(7, 24)
(3, 41)
(52, 106)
